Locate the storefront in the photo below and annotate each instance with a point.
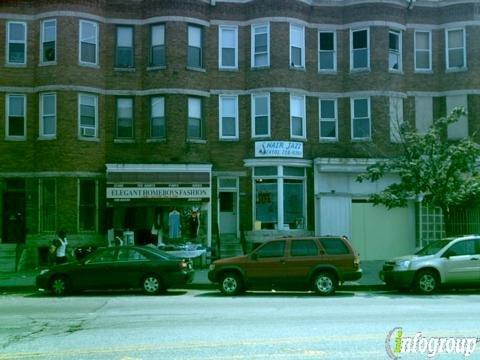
(159, 203)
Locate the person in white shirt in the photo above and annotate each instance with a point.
(61, 243)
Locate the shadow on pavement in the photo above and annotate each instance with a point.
(112, 293)
(274, 294)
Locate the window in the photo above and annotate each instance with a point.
(272, 249)
(228, 122)
(48, 41)
(124, 52)
(87, 115)
(360, 109)
(194, 118)
(260, 115)
(194, 56)
(102, 256)
(394, 50)
(423, 113)
(396, 119)
(88, 42)
(461, 248)
(17, 43)
(48, 204)
(87, 205)
(297, 116)
(48, 115)
(327, 51)
(423, 51)
(334, 246)
(359, 45)
(297, 46)
(157, 120)
(125, 118)
(456, 56)
(459, 129)
(16, 116)
(228, 48)
(328, 119)
(303, 248)
(260, 45)
(157, 46)
(130, 255)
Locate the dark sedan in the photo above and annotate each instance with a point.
(122, 267)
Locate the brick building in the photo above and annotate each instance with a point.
(256, 114)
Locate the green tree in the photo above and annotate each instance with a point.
(440, 172)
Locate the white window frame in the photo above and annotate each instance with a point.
(396, 119)
(162, 101)
(154, 42)
(42, 41)
(7, 115)
(399, 52)
(252, 42)
(24, 42)
(334, 51)
(200, 28)
(95, 25)
(254, 115)
(302, 47)
(352, 50)
(320, 119)
(80, 127)
(190, 102)
(131, 102)
(429, 50)
(447, 49)
(304, 121)
(43, 115)
(352, 118)
(221, 114)
(132, 46)
(221, 29)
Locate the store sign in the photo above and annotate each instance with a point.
(155, 192)
(279, 149)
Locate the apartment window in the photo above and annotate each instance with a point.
(228, 47)
(124, 47)
(48, 204)
(396, 119)
(88, 42)
(297, 116)
(228, 109)
(194, 118)
(423, 51)
(394, 50)
(260, 45)
(48, 115)
(456, 55)
(17, 43)
(48, 41)
(360, 109)
(157, 46)
(194, 47)
(157, 120)
(87, 115)
(359, 45)
(260, 115)
(327, 47)
(125, 118)
(328, 119)
(459, 129)
(297, 46)
(423, 113)
(16, 116)
(87, 210)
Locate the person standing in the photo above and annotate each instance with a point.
(62, 243)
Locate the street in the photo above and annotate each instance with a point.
(203, 325)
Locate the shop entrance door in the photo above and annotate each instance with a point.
(14, 217)
(228, 212)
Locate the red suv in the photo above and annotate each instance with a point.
(317, 263)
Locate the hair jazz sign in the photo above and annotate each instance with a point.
(279, 149)
(152, 193)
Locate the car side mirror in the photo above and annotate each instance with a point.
(447, 254)
(254, 256)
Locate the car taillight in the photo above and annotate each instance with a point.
(356, 262)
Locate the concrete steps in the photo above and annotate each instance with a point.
(230, 246)
(7, 257)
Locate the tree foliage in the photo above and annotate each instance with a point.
(443, 173)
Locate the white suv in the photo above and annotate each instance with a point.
(449, 262)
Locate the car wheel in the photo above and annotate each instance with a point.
(231, 284)
(426, 282)
(151, 285)
(59, 285)
(325, 283)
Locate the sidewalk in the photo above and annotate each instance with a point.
(25, 281)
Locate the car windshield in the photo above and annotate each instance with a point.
(433, 247)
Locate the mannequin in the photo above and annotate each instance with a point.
(174, 228)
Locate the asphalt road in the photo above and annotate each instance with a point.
(204, 325)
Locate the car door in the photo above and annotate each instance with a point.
(130, 267)
(266, 266)
(303, 256)
(462, 262)
(96, 271)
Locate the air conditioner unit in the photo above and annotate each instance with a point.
(87, 131)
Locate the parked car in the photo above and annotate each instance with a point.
(448, 262)
(122, 267)
(317, 263)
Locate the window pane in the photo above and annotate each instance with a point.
(293, 171)
(158, 107)
(261, 125)
(194, 128)
(261, 60)
(49, 125)
(158, 127)
(229, 106)
(16, 53)
(124, 57)
(422, 40)
(266, 202)
(455, 58)
(296, 56)
(361, 128)
(360, 39)
(49, 31)
(124, 37)
(16, 32)
(422, 60)
(228, 57)
(89, 33)
(16, 105)
(194, 108)
(261, 105)
(49, 51)
(327, 109)
(360, 108)
(455, 39)
(272, 249)
(304, 248)
(125, 108)
(360, 59)
(194, 56)
(394, 41)
(87, 205)
(16, 126)
(296, 36)
(194, 36)
(228, 126)
(48, 205)
(334, 246)
(158, 35)
(297, 126)
(261, 42)
(296, 104)
(88, 52)
(326, 60)
(158, 55)
(265, 171)
(228, 38)
(328, 129)
(326, 41)
(293, 202)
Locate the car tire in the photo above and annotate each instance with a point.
(426, 282)
(152, 284)
(324, 283)
(59, 285)
(231, 284)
